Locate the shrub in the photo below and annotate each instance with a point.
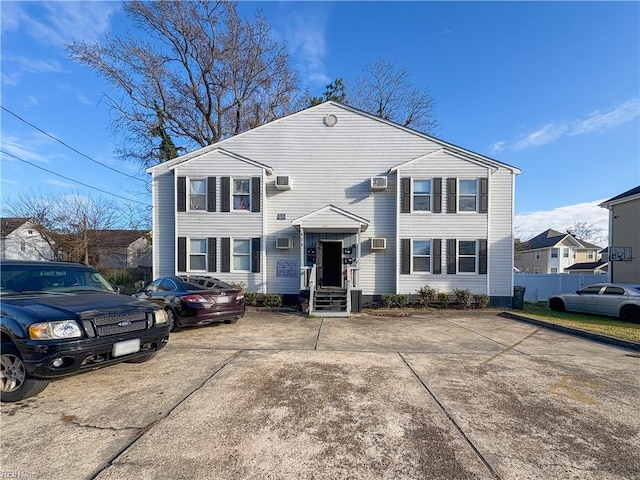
(237, 285)
(394, 300)
(272, 299)
(463, 297)
(427, 295)
(444, 299)
(251, 299)
(482, 300)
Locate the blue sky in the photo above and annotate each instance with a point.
(552, 88)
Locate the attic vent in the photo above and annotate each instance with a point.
(284, 243)
(378, 183)
(283, 182)
(378, 243)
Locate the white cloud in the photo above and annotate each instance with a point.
(595, 122)
(59, 183)
(59, 22)
(31, 65)
(304, 31)
(528, 225)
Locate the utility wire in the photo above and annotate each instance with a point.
(71, 179)
(70, 147)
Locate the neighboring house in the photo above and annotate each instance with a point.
(22, 241)
(624, 236)
(338, 206)
(599, 267)
(108, 248)
(556, 252)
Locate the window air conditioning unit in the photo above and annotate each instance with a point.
(378, 183)
(284, 243)
(378, 243)
(283, 182)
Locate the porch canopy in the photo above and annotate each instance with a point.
(330, 219)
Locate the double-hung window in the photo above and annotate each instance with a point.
(565, 252)
(422, 255)
(468, 196)
(198, 254)
(241, 194)
(537, 254)
(422, 195)
(554, 253)
(198, 194)
(467, 256)
(242, 255)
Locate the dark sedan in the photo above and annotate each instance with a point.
(195, 300)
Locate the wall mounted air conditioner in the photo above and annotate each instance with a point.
(378, 183)
(284, 243)
(283, 182)
(378, 243)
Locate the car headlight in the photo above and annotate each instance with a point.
(54, 330)
(161, 316)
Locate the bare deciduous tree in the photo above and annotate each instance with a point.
(385, 91)
(200, 70)
(587, 232)
(67, 222)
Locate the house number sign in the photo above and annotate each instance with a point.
(281, 216)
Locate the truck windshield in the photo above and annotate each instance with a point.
(46, 278)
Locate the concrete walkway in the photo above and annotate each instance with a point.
(281, 396)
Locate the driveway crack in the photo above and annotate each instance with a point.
(464, 436)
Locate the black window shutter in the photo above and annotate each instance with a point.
(255, 193)
(484, 195)
(225, 243)
(212, 245)
(182, 194)
(255, 255)
(405, 195)
(225, 185)
(451, 256)
(437, 255)
(452, 197)
(482, 267)
(182, 254)
(436, 206)
(405, 255)
(211, 195)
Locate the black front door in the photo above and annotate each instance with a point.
(331, 261)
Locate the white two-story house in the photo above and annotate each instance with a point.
(337, 206)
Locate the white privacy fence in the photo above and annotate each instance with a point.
(538, 287)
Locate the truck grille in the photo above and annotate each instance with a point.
(108, 325)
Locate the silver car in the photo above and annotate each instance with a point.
(611, 299)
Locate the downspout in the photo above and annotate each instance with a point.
(263, 246)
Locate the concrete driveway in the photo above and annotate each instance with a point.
(282, 396)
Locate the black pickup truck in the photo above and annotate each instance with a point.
(61, 318)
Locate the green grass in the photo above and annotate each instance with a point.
(593, 323)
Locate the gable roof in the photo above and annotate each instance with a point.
(338, 217)
(451, 148)
(117, 238)
(242, 158)
(548, 238)
(623, 197)
(9, 224)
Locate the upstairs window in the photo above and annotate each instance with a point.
(241, 194)
(198, 194)
(537, 254)
(554, 253)
(422, 195)
(565, 252)
(590, 254)
(468, 196)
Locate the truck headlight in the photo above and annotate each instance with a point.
(161, 316)
(54, 330)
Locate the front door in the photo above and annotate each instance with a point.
(330, 263)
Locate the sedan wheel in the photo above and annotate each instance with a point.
(557, 305)
(630, 313)
(15, 382)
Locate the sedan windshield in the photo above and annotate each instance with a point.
(46, 278)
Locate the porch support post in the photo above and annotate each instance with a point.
(358, 252)
(303, 251)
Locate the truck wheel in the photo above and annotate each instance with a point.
(15, 383)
